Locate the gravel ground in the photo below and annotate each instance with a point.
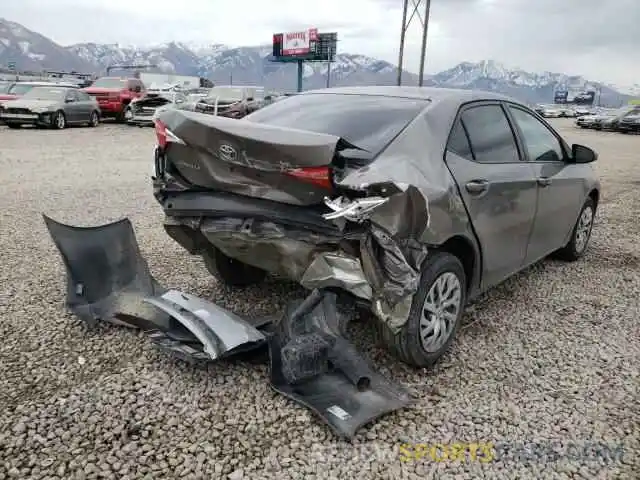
(549, 359)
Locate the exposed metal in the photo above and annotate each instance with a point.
(314, 365)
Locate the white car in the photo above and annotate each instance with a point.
(549, 111)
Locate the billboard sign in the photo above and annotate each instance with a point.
(574, 98)
(299, 43)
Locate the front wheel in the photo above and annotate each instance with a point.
(580, 235)
(59, 121)
(435, 315)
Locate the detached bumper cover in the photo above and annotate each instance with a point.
(109, 280)
(311, 361)
(313, 365)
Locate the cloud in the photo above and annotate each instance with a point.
(589, 37)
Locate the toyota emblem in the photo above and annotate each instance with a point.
(227, 152)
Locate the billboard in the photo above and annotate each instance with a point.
(574, 98)
(309, 46)
(299, 43)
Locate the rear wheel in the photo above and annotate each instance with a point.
(435, 314)
(231, 272)
(94, 119)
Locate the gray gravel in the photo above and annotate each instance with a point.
(551, 356)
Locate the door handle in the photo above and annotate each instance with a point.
(477, 186)
(544, 181)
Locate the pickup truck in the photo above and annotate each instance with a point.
(114, 95)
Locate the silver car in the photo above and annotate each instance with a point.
(51, 106)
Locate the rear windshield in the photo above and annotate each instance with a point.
(366, 121)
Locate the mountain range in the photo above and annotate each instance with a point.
(31, 51)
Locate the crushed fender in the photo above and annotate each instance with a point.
(314, 365)
(109, 280)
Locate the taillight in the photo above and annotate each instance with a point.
(320, 176)
(161, 133)
(164, 135)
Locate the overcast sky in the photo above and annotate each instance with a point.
(595, 38)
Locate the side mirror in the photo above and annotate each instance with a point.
(582, 154)
(68, 100)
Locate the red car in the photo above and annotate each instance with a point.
(114, 95)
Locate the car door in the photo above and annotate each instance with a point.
(498, 188)
(72, 108)
(86, 105)
(560, 185)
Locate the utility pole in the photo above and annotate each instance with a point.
(329, 67)
(405, 25)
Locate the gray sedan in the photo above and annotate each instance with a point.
(51, 106)
(412, 200)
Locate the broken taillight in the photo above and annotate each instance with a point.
(161, 133)
(164, 135)
(320, 176)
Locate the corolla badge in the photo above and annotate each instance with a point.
(228, 153)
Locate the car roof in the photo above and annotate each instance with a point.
(434, 94)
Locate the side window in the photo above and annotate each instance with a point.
(459, 142)
(540, 143)
(71, 96)
(83, 96)
(490, 134)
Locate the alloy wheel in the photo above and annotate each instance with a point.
(583, 229)
(60, 121)
(442, 306)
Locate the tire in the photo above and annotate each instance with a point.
(123, 117)
(231, 272)
(579, 241)
(14, 125)
(94, 119)
(407, 344)
(59, 121)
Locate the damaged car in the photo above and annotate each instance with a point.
(413, 201)
(142, 111)
(228, 101)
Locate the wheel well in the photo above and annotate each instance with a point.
(462, 248)
(595, 196)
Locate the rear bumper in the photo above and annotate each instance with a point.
(141, 121)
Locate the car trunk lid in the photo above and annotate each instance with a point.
(257, 160)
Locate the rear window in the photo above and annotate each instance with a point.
(366, 121)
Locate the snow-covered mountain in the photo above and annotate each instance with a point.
(251, 65)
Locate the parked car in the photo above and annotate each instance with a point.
(142, 111)
(114, 95)
(18, 89)
(581, 111)
(413, 200)
(585, 121)
(549, 111)
(51, 106)
(609, 120)
(630, 123)
(228, 101)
